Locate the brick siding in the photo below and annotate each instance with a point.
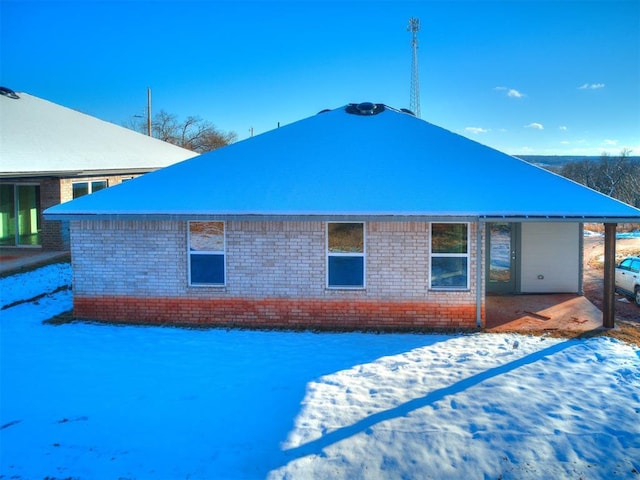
(51, 232)
(54, 234)
(137, 271)
(278, 313)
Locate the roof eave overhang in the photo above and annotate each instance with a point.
(6, 176)
(262, 217)
(341, 217)
(562, 218)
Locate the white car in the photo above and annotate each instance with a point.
(628, 278)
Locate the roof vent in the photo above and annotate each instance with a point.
(7, 92)
(365, 108)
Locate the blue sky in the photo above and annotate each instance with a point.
(526, 77)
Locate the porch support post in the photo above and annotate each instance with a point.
(480, 257)
(608, 303)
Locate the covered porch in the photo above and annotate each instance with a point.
(533, 276)
(561, 312)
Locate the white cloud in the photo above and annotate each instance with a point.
(611, 143)
(591, 86)
(578, 146)
(476, 130)
(563, 128)
(535, 125)
(510, 92)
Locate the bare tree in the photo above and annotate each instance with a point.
(583, 171)
(193, 133)
(617, 177)
(627, 188)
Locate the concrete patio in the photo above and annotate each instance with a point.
(17, 259)
(557, 312)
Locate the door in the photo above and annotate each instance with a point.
(27, 213)
(7, 215)
(502, 262)
(19, 215)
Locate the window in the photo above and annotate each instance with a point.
(449, 256)
(630, 264)
(206, 253)
(81, 189)
(345, 255)
(625, 264)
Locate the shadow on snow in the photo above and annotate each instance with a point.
(315, 447)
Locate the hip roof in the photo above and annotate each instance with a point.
(350, 164)
(41, 137)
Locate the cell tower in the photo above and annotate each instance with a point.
(414, 96)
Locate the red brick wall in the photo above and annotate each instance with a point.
(52, 236)
(278, 313)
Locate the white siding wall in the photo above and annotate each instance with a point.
(550, 251)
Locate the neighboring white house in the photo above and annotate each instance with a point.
(358, 217)
(50, 154)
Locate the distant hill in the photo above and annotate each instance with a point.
(559, 160)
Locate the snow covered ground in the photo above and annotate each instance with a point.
(89, 401)
(634, 234)
(33, 284)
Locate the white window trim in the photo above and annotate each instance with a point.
(222, 252)
(467, 255)
(346, 254)
(89, 186)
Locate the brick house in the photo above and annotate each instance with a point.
(358, 217)
(51, 154)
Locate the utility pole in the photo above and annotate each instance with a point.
(148, 111)
(414, 96)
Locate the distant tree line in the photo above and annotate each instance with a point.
(615, 176)
(193, 133)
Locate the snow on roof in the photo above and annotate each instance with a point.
(40, 136)
(341, 164)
